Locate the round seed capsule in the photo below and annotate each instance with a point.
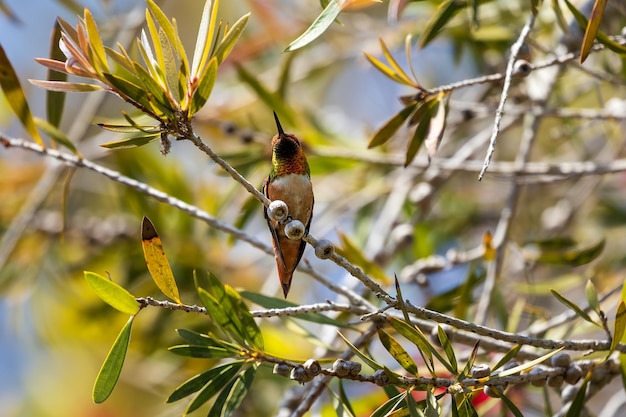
(278, 211)
(537, 370)
(324, 249)
(354, 368)
(381, 378)
(312, 367)
(294, 230)
(573, 373)
(340, 367)
(282, 369)
(299, 374)
(561, 360)
(555, 381)
(494, 390)
(480, 371)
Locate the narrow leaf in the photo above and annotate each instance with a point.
(197, 382)
(572, 306)
(602, 37)
(56, 135)
(205, 87)
(271, 100)
(96, 43)
(206, 33)
(619, 327)
(217, 384)
(55, 100)
(508, 403)
(239, 391)
(394, 64)
(530, 364)
(351, 251)
(417, 337)
(66, 87)
(205, 352)
(507, 357)
(390, 73)
(112, 293)
(133, 142)
(369, 361)
(592, 296)
(447, 348)
(445, 12)
(230, 38)
(436, 127)
(112, 366)
(319, 26)
(578, 404)
(387, 407)
(157, 262)
(391, 126)
(15, 96)
(397, 351)
(593, 25)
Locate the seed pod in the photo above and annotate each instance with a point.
(294, 230)
(555, 381)
(381, 378)
(599, 374)
(480, 371)
(354, 368)
(522, 68)
(340, 367)
(561, 360)
(537, 370)
(510, 365)
(402, 235)
(278, 211)
(324, 249)
(299, 374)
(312, 367)
(573, 374)
(568, 393)
(282, 369)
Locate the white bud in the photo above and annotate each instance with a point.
(294, 230)
(278, 211)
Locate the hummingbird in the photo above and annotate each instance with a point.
(290, 181)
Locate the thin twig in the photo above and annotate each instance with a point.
(505, 91)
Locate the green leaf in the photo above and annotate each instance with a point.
(436, 127)
(394, 64)
(512, 353)
(536, 251)
(170, 67)
(15, 96)
(205, 352)
(239, 391)
(170, 32)
(421, 131)
(592, 296)
(391, 126)
(417, 337)
(272, 302)
(601, 36)
(66, 87)
(447, 348)
(572, 306)
(230, 38)
(95, 42)
(509, 404)
(470, 362)
(58, 136)
(389, 72)
(369, 361)
(218, 383)
(135, 94)
(528, 365)
(593, 26)
(445, 12)
(319, 26)
(345, 400)
(133, 142)
(205, 87)
(55, 100)
(199, 339)
(386, 408)
(220, 401)
(230, 313)
(112, 293)
(156, 261)
(578, 404)
(397, 351)
(619, 327)
(197, 382)
(206, 33)
(112, 366)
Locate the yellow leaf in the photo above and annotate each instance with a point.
(157, 262)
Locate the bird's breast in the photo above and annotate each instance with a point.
(296, 191)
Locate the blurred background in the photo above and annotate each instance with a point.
(55, 222)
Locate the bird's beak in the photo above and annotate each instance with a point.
(281, 132)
